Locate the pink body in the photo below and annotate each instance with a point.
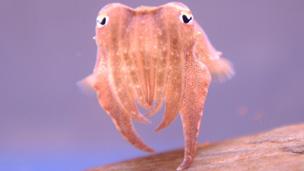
(148, 56)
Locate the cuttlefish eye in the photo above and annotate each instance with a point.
(101, 21)
(186, 18)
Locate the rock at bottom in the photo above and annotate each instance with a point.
(281, 149)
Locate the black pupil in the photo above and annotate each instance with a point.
(186, 19)
(103, 21)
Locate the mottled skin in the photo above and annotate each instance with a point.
(148, 56)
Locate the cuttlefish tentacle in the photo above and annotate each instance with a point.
(131, 61)
(197, 80)
(119, 71)
(123, 89)
(137, 54)
(161, 62)
(174, 83)
(121, 119)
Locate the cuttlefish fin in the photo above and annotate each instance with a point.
(86, 85)
(197, 80)
(220, 68)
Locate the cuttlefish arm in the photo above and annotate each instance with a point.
(197, 80)
(120, 118)
(203, 63)
(99, 81)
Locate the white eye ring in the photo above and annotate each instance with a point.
(102, 21)
(186, 18)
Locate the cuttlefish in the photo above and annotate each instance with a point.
(148, 57)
